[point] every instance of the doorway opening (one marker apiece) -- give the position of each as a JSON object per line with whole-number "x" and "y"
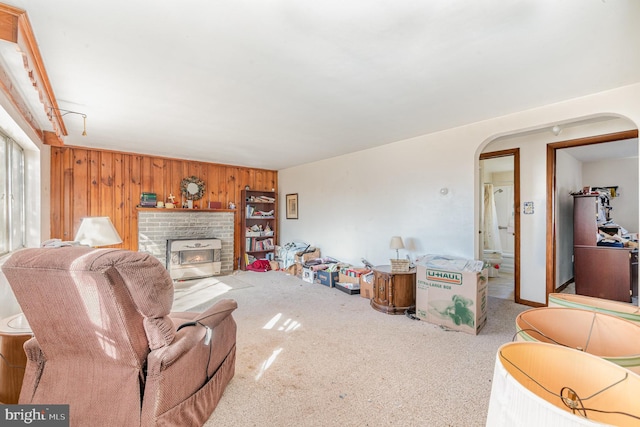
{"x": 554, "y": 238}
{"x": 500, "y": 221}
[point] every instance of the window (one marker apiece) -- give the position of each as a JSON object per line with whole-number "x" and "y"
{"x": 12, "y": 191}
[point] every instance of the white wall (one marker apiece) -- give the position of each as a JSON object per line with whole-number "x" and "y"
{"x": 568, "y": 180}
{"x": 351, "y": 205}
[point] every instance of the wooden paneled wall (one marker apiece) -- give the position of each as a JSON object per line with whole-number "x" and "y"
{"x": 87, "y": 182}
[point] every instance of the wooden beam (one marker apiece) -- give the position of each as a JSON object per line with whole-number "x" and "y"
{"x": 15, "y": 28}
{"x": 50, "y": 138}
{"x": 9, "y": 23}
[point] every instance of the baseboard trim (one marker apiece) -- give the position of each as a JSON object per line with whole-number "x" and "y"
{"x": 531, "y": 303}
{"x": 565, "y": 284}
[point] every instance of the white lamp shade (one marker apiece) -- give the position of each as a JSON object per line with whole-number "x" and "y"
{"x": 97, "y": 231}
{"x": 529, "y": 376}
{"x": 396, "y": 243}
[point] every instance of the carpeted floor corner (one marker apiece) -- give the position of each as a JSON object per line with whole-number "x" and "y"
{"x": 308, "y": 355}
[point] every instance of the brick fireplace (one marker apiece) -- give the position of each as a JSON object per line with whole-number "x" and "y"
{"x": 156, "y": 226}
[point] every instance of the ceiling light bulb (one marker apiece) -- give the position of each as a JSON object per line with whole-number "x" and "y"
{"x": 556, "y": 130}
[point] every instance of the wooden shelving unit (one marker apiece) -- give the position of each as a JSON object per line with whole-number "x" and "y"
{"x": 259, "y": 212}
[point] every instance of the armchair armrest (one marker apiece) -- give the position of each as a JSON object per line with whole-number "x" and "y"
{"x": 33, "y": 371}
{"x": 212, "y": 316}
{"x": 178, "y": 370}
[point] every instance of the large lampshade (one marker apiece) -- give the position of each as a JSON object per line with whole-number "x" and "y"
{"x": 538, "y": 384}
{"x": 624, "y": 310}
{"x": 97, "y": 231}
{"x": 610, "y": 337}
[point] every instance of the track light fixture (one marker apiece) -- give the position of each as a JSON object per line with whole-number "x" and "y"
{"x": 65, "y": 112}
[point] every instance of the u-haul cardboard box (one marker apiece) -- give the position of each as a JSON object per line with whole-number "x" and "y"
{"x": 456, "y": 300}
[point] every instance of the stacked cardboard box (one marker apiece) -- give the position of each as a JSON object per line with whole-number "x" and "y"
{"x": 296, "y": 268}
{"x": 349, "y": 279}
{"x": 302, "y": 257}
{"x": 351, "y": 275}
{"x": 308, "y": 275}
{"x": 366, "y": 285}
{"x": 327, "y": 278}
{"x": 454, "y": 299}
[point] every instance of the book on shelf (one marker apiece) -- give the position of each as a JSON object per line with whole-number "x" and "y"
{"x": 261, "y": 199}
{"x": 255, "y": 245}
{"x": 267, "y": 244}
{"x": 253, "y": 213}
{"x": 264, "y": 213}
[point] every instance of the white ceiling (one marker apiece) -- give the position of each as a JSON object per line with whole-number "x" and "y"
{"x": 273, "y": 84}
{"x": 627, "y": 148}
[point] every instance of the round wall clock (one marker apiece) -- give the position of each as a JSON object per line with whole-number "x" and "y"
{"x": 192, "y": 188}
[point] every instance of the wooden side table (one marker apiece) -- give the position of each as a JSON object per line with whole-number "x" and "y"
{"x": 14, "y": 332}
{"x": 393, "y": 292}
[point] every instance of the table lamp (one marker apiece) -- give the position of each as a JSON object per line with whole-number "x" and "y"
{"x": 97, "y": 231}
{"x": 396, "y": 243}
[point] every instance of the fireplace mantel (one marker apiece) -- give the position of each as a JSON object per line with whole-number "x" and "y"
{"x": 165, "y": 210}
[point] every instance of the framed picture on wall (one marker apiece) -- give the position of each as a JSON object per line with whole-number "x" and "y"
{"x": 292, "y": 206}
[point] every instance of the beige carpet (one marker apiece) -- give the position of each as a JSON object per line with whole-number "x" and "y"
{"x": 308, "y": 355}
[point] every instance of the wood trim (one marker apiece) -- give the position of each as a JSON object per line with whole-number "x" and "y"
{"x": 517, "y": 222}
{"x": 532, "y": 303}
{"x": 171, "y": 210}
{"x": 499, "y": 153}
{"x": 515, "y": 152}
{"x": 598, "y": 139}
{"x": 551, "y": 194}
{"x": 15, "y": 28}
{"x": 9, "y": 22}
{"x": 50, "y": 138}
{"x": 551, "y": 222}
{"x": 564, "y": 285}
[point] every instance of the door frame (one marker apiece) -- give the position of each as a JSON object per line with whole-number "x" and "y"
{"x": 515, "y": 152}
{"x": 551, "y": 194}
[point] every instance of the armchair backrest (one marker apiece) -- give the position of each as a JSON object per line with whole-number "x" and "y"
{"x": 104, "y": 305}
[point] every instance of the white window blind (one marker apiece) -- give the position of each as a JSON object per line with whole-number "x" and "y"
{"x": 12, "y": 187}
